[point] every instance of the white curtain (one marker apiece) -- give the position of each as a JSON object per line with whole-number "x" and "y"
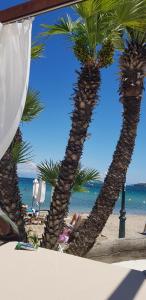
{"x": 15, "y": 55}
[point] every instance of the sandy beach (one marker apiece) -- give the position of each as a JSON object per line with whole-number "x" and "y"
{"x": 134, "y": 226}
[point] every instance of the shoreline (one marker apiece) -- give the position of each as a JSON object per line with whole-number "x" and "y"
{"x": 134, "y": 226}
{"x": 45, "y": 211}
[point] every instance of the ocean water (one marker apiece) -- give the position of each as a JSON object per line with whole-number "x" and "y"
{"x": 83, "y": 202}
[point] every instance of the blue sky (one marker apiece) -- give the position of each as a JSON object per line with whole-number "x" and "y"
{"x": 54, "y": 76}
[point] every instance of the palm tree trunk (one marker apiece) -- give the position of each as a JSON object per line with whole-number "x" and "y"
{"x": 85, "y": 99}
{"x": 132, "y": 78}
{"x": 10, "y": 198}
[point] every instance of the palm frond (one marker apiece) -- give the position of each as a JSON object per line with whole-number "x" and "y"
{"x": 49, "y": 171}
{"x": 88, "y": 8}
{"x": 86, "y": 31}
{"x": 107, "y": 5}
{"x": 64, "y": 26}
{"x": 98, "y": 21}
{"x": 131, "y": 13}
{"x": 83, "y": 176}
{"x": 37, "y": 50}
{"x": 117, "y": 40}
{"x": 22, "y": 152}
{"x": 79, "y": 189}
{"x": 137, "y": 35}
{"x": 33, "y": 106}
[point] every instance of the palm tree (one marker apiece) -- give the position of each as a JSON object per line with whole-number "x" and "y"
{"x": 132, "y": 70}
{"x": 91, "y": 29}
{"x": 49, "y": 171}
{"x": 18, "y": 152}
{"x": 98, "y": 24}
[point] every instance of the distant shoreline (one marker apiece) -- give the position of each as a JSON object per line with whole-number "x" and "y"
{"x": 141, "y": 184}
{"x": 83, "y": 202}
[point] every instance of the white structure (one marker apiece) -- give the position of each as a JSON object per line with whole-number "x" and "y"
{"x": 15, "y": 55}
{"x": 35, "y": 188}
{"x": 47, "y": 274}
{"x": 41, "y": 192}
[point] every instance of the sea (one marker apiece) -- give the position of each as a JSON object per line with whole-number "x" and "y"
{"x": 84, "y": 201}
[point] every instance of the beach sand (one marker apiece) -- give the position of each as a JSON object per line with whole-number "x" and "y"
{"x": 134, "y": 227}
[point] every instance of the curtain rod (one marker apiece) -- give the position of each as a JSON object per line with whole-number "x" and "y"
{"x": 32, "y": 8}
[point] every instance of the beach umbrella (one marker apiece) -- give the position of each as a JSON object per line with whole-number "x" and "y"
{"x": 41, "y": 193}
{"x": 35, "y": 190}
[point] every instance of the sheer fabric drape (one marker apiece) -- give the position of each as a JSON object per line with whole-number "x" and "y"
{"x": 15, "y": 55}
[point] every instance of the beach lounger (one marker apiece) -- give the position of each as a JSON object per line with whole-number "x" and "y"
{"x": 34, "y": 219}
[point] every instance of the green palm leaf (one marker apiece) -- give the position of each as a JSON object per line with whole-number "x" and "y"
{"x": 137, "y": 35}
{"x": 33, "y": 106}
{"x": 37, "y": 50}
{"x": 84, "y": 176}
{"x": 131, "y": 13}
{"x": 48, "y": 171}
{"x": 89, "y": 8}
{"x": 99, "y": 21}
{"x": 22, "y": 152}
{"x": 64, "y": 26}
